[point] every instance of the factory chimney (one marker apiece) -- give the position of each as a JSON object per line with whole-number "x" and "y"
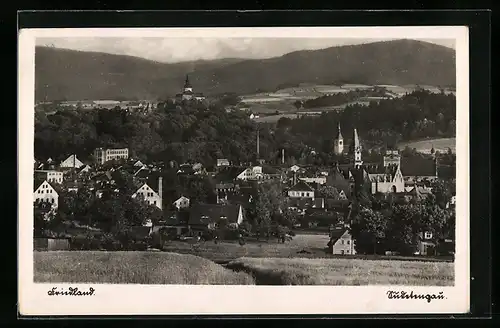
{"x": 160, "y": 191}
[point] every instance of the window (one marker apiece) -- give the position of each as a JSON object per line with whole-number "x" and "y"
{"x": 342, "y": 241}
{"x": 347, "y": 251}
{"x": 52, "y": 200}
{"x": 302, "y": 194}
{"x": 428, "y": 235}
{"x": 348, "y": 242}
{"x": 155, "y": 202}
{"x": 342, "y": 252}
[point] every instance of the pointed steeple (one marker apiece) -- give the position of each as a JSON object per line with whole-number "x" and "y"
{"x": 356, "y": 139}
{"x": 187, "y": 84}
{"x": 339, "y": 134}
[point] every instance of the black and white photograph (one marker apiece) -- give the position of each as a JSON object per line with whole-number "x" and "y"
{"x": 228, "y": 161}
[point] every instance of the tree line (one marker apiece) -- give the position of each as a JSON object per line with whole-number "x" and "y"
{"x": 204, "y": 131}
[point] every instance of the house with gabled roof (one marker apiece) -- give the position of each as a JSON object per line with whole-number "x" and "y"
{"x": 151, "y": 192}
{"x": 222, "y": 162}
{"x": 84, "y": 169}
{"x": 301, "y": 190}
{"x": 181, "y": 202}
{"x": 71, "y": 162}
{"x": 44, "y": 192}
{"x": 52, "y": 176}
{"x": 417, "y": 168}
{"x": 385, "y": 178}
{"x": 341, "y": 241}
{"x": 203, "y": 217}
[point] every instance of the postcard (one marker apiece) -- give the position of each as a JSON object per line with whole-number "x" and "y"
{"x": 196, "y": 171}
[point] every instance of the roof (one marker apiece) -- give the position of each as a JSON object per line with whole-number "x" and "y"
{"x": 301, "y": 203}
{"x": 418, "y": 166}
{"x": 270, "y": 170}
{"x": 175, "y": 218}
{"x": 339, "y": 134}
{"x": 228, "y": 174}
{"x": 301, "y": 186}
{"x": 187, "y": 84}
{"x": 227, "y": 185}
{"x": 207, "y": 213}
{"x": 337, "y": 232}
{"x": 38, "y": 182}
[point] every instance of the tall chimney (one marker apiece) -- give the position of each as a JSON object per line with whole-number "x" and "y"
{"x": 283, "y": 156}
{"x": 258, "y": 145}
{"x": 160, "y": 191}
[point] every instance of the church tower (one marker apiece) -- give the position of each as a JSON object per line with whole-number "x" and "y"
{"x": 338, "y": 146}
{"x": 187, "y": 85}
{"x": 357, "y": 150}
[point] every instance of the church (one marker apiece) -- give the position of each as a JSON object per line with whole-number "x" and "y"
{"x": 374, "y": 178}
{"x": 188, "y": 94}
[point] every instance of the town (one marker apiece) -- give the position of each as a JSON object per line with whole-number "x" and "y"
{"x": 380, "y": 200}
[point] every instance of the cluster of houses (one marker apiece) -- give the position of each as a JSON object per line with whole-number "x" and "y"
{"x": 235, "y": 188}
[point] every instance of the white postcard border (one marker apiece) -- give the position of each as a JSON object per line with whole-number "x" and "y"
{"x": 186, "y": 299}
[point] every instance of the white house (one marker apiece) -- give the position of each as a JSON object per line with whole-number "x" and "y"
{"x": 151, "y": 196}
{"x": 50, "y": 175}
{"x": 45, "y": 193}
{"x": 251, "y": 173}
{"x": 222, "y": 162}
{"x": 341, "y": 241}
{"x": 181, "y": 202}
{"x": 138, "y": 164}
{"x": 301, "y": 190}
{"x": 71, "y": 161}
{"x": 84, "y": 169}
{"x": 318, "y": 180}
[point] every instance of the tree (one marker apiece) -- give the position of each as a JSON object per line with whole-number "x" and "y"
{"x": 369, "y": 229}
{"x": 328, "y": 192}
{"x": 402, "y": 228}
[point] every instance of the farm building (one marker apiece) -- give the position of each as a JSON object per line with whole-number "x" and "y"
{"x": 51, "y": 244}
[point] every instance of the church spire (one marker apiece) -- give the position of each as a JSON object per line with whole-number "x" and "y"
{"x": 339, "y": 133}
{"x": 357, "y": 150}
{"x": 187, "y": 84}
{"x": 356, "y": 139}
{"x": 338, "y": 144}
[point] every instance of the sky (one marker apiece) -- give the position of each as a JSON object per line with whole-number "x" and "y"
{"x": 171, "y": 50}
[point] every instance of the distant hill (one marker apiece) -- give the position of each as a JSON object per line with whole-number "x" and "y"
{"x": 76, "y": 75}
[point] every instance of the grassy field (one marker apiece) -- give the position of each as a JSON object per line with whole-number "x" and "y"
{"x": 425, "y": 146}
{"x": 301, "y": 246}
{"x": 350, "y": 272}
{"x": 226, "y": 251}
{"x": 132, "y": 268}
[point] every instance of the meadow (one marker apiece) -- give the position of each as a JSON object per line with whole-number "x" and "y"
{"x": 301, "y": 261}
{"x": 132, "y": 268}
{"x": 425, "y": 146}
{"x": 346, "y": 272}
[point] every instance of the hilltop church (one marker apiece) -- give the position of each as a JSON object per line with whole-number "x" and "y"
{"x": 188, "y": 94}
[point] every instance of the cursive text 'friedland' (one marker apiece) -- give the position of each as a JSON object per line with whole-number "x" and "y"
{"x": 72, "y": 291}
{"x": 402, "y": 295}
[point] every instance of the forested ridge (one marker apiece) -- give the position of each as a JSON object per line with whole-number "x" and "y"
{"x": 77, "y": 75}
{"x": 201, "y": 132}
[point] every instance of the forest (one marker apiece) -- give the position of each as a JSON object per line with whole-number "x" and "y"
{"x": 203, "y": 132}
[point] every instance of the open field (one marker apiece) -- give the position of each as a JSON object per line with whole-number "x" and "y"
{"x": 132, "y": 268}
{"x": 307, "y": 245}
{"x": 425, "y": 146}
{"x": 281, "y": 271}
{"x": 225, "y": 251}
